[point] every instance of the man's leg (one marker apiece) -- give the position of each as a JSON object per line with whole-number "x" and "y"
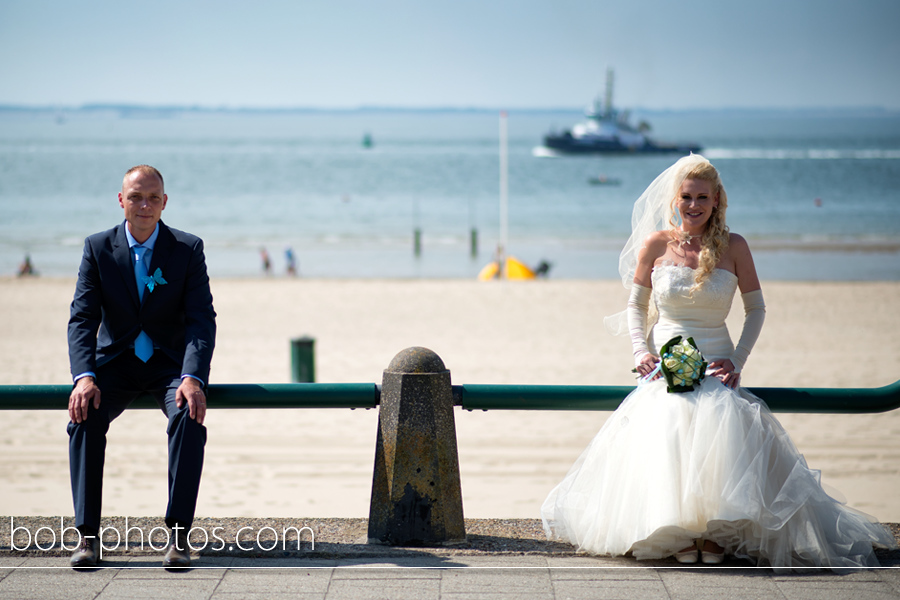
{"x": 87, "y": 454}
{"x": 187, "y": 440}
{"x": 87, "y": 447}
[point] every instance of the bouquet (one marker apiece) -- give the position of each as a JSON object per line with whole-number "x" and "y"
{"x": 682, "y": 364}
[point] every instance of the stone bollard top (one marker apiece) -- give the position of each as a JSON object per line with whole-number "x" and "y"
{"x": 417, "y": 361}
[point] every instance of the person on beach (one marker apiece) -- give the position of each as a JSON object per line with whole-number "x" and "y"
{"x": 26, "y": 269}
{"x": 266, "y": 261}
{"x": 692, "y": 465}
{"x": 142, "y": 322}
{"x": 291, "y": 261}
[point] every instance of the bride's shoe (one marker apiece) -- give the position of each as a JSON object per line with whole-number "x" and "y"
{"x": 713, "y": 556}
{"x": 688, "y": 556}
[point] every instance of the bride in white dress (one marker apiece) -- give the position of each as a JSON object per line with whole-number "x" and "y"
{"x": 708, "y": 472}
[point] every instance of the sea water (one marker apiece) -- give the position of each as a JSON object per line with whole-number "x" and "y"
{"x": 816, "y": 195}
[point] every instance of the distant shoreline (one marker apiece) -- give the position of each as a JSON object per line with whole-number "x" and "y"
{"x": 126, "y": 109}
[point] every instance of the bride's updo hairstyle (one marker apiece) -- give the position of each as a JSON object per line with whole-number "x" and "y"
{"x": 714, "y": 242}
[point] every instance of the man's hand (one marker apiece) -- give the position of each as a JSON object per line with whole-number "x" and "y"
{"x": 191, "y": 391}
{"x": 80, "y": 399}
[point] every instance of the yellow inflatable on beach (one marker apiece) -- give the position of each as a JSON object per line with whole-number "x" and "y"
{"x": 515, "y": 269}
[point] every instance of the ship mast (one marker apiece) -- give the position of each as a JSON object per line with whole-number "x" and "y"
{"x": 607, "y": 105}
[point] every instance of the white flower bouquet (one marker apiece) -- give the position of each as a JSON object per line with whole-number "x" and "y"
{"x": 682, "y": 364}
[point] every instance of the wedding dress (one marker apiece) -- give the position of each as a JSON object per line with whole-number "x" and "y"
{"x": 714, "y": 463}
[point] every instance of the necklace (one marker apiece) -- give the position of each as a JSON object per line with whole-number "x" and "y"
{"x": 683, "y": 237}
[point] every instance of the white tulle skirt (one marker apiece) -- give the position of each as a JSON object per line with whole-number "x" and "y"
{"x": 666, "y": 469}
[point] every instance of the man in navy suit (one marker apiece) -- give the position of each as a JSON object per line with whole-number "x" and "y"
{"x": 142, "y": 322}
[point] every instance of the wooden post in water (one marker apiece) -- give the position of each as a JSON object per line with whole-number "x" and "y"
{"x": 417, "y": 230}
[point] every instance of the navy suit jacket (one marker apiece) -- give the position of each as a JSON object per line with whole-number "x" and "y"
{"x": 106, "y": 314}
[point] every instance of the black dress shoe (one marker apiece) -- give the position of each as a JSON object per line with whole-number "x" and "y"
{"x": 87, "y": 554}
{"x": 178, "y": 555}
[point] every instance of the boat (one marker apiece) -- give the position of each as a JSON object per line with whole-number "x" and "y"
{"x": 604, "y": 180}
{"x": 607, "y": 131}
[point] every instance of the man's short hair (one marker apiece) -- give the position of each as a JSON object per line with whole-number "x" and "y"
{"x": 147, "y": 170}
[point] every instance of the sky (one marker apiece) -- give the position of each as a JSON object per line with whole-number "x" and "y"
{"x": 703, "y": 54}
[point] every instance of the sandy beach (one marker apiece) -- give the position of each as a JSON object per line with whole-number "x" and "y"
{"x": 318, "y": 463}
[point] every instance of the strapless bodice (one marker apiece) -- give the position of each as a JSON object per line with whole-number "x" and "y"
{"x": 700, "y": 315}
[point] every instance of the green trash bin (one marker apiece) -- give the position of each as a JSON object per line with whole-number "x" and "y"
{"x": 303, "y": 361}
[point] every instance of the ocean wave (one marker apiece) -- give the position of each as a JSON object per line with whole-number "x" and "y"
{"x": 801, "y": 154}
{"x": 826, "y": 244}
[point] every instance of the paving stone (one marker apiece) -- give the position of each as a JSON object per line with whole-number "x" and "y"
{"x": 282, "y": 563}
{"x": 495, "y": 595}
{"x": 891, "y": 577}
{"x": 303, "y": 581}
{"x": 610, "y": 590}
{"x": 376, "y": 589}
{"x": 563, "y": 573}
{"x": 267, "y": 595}
{"x": 51, "y": 582}
{"x": 731, "y": 578}
{"x": 496, "y": 581}
{"x": 154, "y": 589}
{"x": 835, "y": 590}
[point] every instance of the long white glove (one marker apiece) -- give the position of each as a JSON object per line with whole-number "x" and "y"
{"x": 754, "y": 315}
{"x": 638, "y": 304}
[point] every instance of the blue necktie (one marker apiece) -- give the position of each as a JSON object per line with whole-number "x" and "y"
{"x": 143, "y": 345}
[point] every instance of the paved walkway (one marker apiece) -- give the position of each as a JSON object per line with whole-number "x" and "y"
{"x": 426, "y": 577}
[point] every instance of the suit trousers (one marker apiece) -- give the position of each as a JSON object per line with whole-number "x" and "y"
{"x": 121, "y": 381}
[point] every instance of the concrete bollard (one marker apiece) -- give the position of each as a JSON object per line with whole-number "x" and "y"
{"x": 416, "y": 493}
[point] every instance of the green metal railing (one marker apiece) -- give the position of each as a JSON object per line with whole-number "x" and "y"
{"x": 224, "y": 395}
{"x": 597, "y": 397}
{"x": 469, "y": 397}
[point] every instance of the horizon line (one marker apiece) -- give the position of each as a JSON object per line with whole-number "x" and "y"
{"x": 135, "y": 107}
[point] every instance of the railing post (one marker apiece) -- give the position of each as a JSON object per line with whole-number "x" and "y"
{"x": 416, "y": 493}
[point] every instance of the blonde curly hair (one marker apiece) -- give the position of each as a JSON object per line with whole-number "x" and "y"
{"x": 714, "y": 242}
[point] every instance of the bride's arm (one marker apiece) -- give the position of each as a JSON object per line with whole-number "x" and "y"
{"x": 638, "y": 305}
{"x": 744, "y": 268}
{"x": 639, "y": 302}
{"x": 729, "y": 371}
{"x": 751, "y": 294}
{"x": 754, "y": 316}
